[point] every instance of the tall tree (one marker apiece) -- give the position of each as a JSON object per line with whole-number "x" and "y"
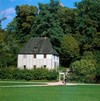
{"x": 22, "y": 23}
{"x": 46, "y": 24}
{"x": 8, "y": 49}
{"x": 87, "y": 22}
{"x": 69, "y": 49}
{"x": 90, "y": 9}
{"x": 66, "y": 18}
{"x": 1, "y": 19}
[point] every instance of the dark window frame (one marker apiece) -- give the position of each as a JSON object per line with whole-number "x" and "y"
{"x": 45, "y": 66}
{"x": 45, "y": 56}
{"x": 34, "y": 55}
{"x": 24, "y": 66}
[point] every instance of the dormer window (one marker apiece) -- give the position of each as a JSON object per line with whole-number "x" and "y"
{"x": 35, "y": 48}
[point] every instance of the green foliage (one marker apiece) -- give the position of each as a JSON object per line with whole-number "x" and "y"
{"x": 69, "y": 48}
{"x": 66, "y": 19}
{"x": 96, "y": 41}
{"x": 22, "y": 74}
{"x": 47, "y": 23}
{"x": 90, "y": 9}
{"x": 6, "y": 73}
{"x": 95, "y": 58}
{"x": 40, "y": 74}
{"x": 84, "y": 70}
{"x": 8, "y": 50}
{"x": 37, "y": 74}
{"x": 1, "y": 37}
{"x": 22, "y": 23}
{"x": 87, "y": 22}
{"x": 1, "y": 19}
{"x": 52, "y": 75}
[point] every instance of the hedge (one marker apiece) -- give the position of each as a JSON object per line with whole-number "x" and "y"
{"x": 19, "y": 74}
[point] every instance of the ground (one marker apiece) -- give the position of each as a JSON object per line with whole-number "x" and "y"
{"x": 48, "y": 91}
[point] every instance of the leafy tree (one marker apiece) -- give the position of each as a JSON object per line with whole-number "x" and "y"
{"x": 1, "y": 19}
{"x": 22, "y": 23}
{"x": 46, "y": 24}
{"x": 8, "y": 50}
{"x": 70, "y": 48}
{"x": 87, "y": 22}
{"x": 1, "y": 37}
{"x": 96, "y": 42}
{"x": 66, "y": 18}
{"x": 90, "y": 9}
{"x": 12, "y": 27}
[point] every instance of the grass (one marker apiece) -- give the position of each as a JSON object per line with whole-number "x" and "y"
{"x": 51, "y": 93}
{"x": 14, "y": 83}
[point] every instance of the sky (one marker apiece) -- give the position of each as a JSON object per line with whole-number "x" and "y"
{"x": 7, "y": 7}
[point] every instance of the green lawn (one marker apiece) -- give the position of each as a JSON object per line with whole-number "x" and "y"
{"x": 51, "y": 93}
{"x": 20, "y": 83}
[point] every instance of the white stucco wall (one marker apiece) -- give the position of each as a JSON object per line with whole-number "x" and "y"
{"x": 28, "y": 60}
{"x": 55, "y": 61}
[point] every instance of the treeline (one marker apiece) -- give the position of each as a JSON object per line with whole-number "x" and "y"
{"x": 73, "y": 32}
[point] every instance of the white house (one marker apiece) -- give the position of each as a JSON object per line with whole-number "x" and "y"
{"x": 37, "y": 53}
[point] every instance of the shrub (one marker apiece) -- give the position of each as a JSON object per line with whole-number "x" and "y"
{"x": 37, "y": 74}
{"x": 40, "y": 74}
{"x": 52, "y": 75}
{"x": 83, "y": 70}
{"x": 6, "y": 73}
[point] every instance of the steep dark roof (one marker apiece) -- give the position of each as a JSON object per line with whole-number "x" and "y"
{"x": 39, "y": 45}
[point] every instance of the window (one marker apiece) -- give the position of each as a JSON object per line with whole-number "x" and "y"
{"x": 34, "y": 56}
{"x": 44, "y": 55}
{"x": 24, "y": 56}
{"x": 24, "y": 66}
{"x": 44, "y": 66}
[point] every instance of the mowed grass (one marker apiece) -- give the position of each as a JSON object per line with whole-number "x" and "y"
{"x": 20, "y": 83}
{"x": 51, "y": 93}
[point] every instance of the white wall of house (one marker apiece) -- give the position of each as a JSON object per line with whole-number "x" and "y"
{"x": 30, "y": 61}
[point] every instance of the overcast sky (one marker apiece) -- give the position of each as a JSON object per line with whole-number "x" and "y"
{"x": 7, "y": 7}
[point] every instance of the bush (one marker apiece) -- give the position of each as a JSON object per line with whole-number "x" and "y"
{"x": 40, "y": 74}
{"x": 83, "y": 70}
{"x": 37, "y": 74}
{"x": 52, "y": 75}
{"x": 6, "y": 73}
